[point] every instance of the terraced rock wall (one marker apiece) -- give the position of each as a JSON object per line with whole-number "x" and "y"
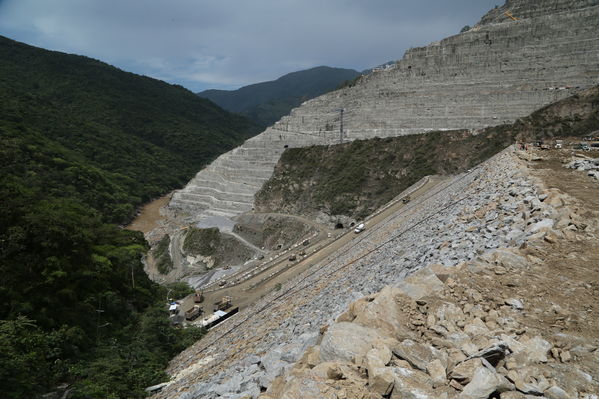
{"x": 497, "y": 72}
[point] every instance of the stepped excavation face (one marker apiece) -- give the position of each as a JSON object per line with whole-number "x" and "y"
{"x": 495, "y": 73}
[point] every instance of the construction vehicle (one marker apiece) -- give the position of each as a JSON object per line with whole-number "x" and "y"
{"x": 509, "y": 15}
{"x": 193, "y": 313}
{"x": 361, "y": 227}
{"x": 198, "y": 297}
{"x": 223, "y": 304}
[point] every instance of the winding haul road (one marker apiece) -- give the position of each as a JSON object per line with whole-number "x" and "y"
{"x": 244, "y": 293}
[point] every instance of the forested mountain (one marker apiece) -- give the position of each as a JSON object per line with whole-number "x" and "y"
{"x": 81, "y": 145}
{"x": 77, "y": 117}
{"x": 266, "y": 102}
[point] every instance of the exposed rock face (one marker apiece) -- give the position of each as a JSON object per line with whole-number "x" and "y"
{"x": 498, "y": 71}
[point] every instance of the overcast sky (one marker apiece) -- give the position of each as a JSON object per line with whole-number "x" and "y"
{"x": 226, "y": 44}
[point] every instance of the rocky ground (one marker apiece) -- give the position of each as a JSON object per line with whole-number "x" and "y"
{"x": 585, "y": 164}
{"x": 504, "y": 303}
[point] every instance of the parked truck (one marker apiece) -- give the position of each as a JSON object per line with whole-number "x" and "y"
{"x": 223, "y": 304}
{"x": 193, "y": 313}
{"x": 218, "y": 317}
{"x": 198, "y": 297}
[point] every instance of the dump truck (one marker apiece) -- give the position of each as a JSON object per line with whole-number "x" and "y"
{"x": 223, "y": 304}
{"x": 193, "y": 313}
{"x": 198, "y": 297}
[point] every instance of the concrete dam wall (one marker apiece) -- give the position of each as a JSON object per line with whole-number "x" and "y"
{"x": 496, "y": 72}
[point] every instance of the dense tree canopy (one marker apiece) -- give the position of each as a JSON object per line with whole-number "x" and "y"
{"x": 82, "y": 144}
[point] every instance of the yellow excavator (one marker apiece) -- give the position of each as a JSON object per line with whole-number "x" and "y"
{"x": 509, "y": 15}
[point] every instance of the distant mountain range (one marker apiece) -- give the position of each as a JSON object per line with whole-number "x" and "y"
{"x": 266, "y": 102}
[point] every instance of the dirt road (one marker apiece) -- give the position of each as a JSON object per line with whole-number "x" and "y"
{"x": 249, "y": 291}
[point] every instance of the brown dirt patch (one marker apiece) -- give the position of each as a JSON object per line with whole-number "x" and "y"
{"x": 148, "y": 218}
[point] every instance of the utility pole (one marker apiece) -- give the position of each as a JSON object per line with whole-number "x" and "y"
{"x": 341, "y": 126}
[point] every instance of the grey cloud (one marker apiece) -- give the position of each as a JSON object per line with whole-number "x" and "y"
{"x": 227, "y": 43}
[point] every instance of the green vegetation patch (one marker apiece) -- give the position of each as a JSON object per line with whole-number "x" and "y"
{"x": 266, "y": 102}
{"x": 162, "y": 255}
{"x": 205, "y": 242}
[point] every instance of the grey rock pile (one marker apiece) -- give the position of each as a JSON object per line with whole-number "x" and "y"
{"x": 588, "y": 165}
{"x": 444, "y": 340}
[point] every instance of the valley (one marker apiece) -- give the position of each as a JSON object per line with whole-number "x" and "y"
{"x": 488, "y": 210}
{"x": 424, "y": 229}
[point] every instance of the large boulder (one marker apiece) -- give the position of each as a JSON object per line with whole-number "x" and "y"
{"x": 412, "y": 384}
{"x": 419, "y": 355}
{"x": 484, "y": 383}
{"x": 464, "y": 371}
{"x": 306, "y": 388}
{"x": 382, "y": 313}
{"x": 420, "y": 284}
{"x": 347, "y": 342}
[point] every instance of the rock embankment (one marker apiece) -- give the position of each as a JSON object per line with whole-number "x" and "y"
{"x": 471, "y": 224}
{"x": 438, "y": 335}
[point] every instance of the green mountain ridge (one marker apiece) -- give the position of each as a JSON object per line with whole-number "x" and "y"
{"x": 82, "y": 144}
{"x": 266, "y": 102}
{"x": 121, "y": 123}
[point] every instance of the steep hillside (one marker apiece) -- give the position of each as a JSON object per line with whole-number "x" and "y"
{"x": 126, "y": 138}
{"x": 81, "y": 145}
{"x": 354, "y": 179}
{"x": 266, "y": 102}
